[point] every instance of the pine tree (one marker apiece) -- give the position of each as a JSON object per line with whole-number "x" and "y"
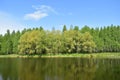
{"x": 64, "y": 28}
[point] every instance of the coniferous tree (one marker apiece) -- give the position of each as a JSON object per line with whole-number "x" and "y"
{"x": 64, "y": 28}
{"x": 39, "y": 41}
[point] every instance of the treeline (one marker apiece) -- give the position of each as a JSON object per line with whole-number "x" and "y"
{"x": 73, "y": 40}
{"x": 107, "y": 39}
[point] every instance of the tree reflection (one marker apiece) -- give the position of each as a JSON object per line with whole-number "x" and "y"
{"x": 59, "y": 69}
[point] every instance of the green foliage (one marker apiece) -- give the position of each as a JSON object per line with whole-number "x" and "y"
{"x": 88, "y": 44}
{"x": 70, "y": 41}
{"x": 76, "y": 28}
{"x": 77, "y": 42}
{"x": 64, "y": 28}
{"x": 39, "y": 41}
{"x": 29, "y": 42}
{"x": 53, "y": 41}
{"x": 85, "y": 29}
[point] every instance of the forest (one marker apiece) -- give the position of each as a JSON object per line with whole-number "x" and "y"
{"x": 72, "y": 40}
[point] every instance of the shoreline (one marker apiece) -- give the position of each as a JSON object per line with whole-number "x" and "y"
{"x": 74, "y": 55}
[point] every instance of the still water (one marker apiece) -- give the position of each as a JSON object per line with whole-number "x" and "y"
{"x": 59, "y": 69}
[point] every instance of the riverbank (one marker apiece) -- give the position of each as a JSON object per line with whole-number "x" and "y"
{"x": 92, "y": 55}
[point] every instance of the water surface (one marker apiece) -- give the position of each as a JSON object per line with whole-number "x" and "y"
{"x": 59, "y": 69}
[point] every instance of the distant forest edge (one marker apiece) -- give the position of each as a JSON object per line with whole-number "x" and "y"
{"x": 73, "y": 40}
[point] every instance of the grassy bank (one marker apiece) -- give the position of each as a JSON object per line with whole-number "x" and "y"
{"x": 92, "y": 55}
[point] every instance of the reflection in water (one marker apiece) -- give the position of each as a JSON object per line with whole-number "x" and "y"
{"x": 59, "y": 69}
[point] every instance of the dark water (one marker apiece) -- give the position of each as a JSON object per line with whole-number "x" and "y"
{"x": 59, "y": 69}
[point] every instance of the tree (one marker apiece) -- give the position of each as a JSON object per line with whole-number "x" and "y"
{"x": 68, "y": 42}
{"x": 76, "y": 28}
{"x": 53, "y": 41}
{"x": 9, "y": 47}
{"x": 39, "y": 41}
{"x": 88, "y": 44}
{"x": 85, "y": 29}
{"x": 15, "y": 36}
{"x": 29, "y": 42}
{"x": 7, "y": 44}
{"x": 0, "y": 43}
{"x": 64, "y": 28}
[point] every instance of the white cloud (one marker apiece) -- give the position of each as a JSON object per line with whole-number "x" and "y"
{"x": 35, "y": 16}
{"x": 45, "y": 8}
{"x": 40, "y": 12}
{"x": 9, "y": 22}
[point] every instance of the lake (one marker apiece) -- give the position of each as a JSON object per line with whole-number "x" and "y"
{"x": 59, "y": 69}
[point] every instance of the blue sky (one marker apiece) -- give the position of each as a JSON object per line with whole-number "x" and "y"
{"x": 20, "y": 14}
